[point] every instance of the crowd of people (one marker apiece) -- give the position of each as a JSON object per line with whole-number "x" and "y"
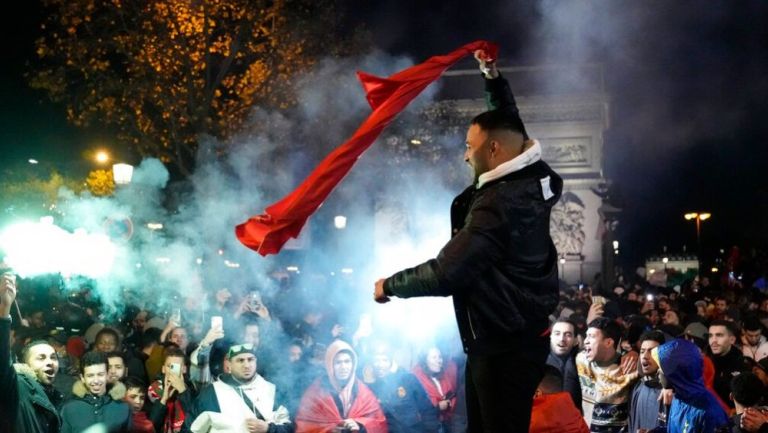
{"x": 642, "y": 358}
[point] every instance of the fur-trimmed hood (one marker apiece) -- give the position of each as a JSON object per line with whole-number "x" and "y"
{"x": 25, "y": 370}
{"x": 117, "y": 391}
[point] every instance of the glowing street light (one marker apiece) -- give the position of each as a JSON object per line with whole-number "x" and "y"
{"x": 101, "y": 156}
{"x": 122, "y": 173}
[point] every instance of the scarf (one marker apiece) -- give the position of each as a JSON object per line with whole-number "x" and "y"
{"x": 283, "y": 220}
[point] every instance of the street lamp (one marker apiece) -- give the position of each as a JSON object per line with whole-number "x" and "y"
{"x": 122, "y": 173}
{"x": 699, "y": 217}
{"x": 102, "y": 157}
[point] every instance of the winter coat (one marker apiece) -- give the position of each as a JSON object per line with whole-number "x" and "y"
{"x": 85, "y": 410}
{"x": 25, "y": 405}
{"x": 501, "y": 265}
{"x": 567, "y": 367}
{"x": 694, "y": 408}
{"x": 405, "y": 403}
{"x": 726, "y": 367}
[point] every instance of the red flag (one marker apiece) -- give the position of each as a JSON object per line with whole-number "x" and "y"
{"x": 267, "y": 233}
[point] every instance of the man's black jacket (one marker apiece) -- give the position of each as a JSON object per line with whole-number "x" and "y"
{"x": 500, "y": 265}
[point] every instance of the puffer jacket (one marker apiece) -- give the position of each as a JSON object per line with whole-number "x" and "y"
{"x": 694, "y": 408}
{"x": 25, "y": 406}
{"x": 85, "y": 410}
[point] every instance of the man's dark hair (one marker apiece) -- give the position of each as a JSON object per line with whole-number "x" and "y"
{"x": 609, "y": 328}
{"x": 501, "y": 119}
{"x": 656, "y": 336}
{"x": 747, "y": 389}
{"x": 135, "y": 382}
{"x": 569, "y": 322}
{"x": 752, "y": 323}
{"x": 172, "y": 351}
{"x": 92, "y": 358}
{"x": 729, "y": 326}
{"x": 107, "y": 331}
{"x": 26, "y": 349}
{"x": 149, "y": 337}
{"x": 115, "y": 355}
{"x": 552, "y": 381}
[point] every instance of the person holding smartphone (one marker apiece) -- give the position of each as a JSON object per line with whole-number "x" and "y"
{"x": 171, "y": 395}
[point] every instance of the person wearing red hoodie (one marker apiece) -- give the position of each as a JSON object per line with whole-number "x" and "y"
{"x": 553, "y": 409}
{"x": 340, "y": 402}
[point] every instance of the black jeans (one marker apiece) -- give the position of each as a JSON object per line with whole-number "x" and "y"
{"x": 500, "y": 387}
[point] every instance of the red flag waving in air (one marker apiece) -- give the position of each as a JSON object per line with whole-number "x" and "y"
{"x": 267, "y": 233}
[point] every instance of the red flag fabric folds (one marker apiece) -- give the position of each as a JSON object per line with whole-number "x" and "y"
{"x": 283, "y": 220}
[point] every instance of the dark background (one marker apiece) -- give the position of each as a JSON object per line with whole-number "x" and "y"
{"x": 687, "y": 82}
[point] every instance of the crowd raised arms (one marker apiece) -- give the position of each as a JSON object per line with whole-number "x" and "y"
{"x": 625, "y": 355}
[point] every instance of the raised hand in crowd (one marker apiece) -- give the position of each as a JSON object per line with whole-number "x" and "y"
{"x": 595, "y": 310}
{"x": 172, "y": 384}
{"x": 213, "y": 334}
{"x": 247, "y": 305}
{"x": 753, "y": 420}
{"x": 7, "y": 293}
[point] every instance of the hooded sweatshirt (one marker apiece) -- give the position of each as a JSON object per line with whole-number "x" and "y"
{"x": 694, "y": 408}
{"x": 327, "y": 403}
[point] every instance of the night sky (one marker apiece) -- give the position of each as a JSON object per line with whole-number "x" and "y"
{"x": 687, "y": 80}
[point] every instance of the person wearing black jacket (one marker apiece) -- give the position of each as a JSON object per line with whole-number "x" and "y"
{"x": 95, "y": 405}
{"x": 726, "y": 357}
{"x": 28, "y": 400}
{"x": 562, "y": 356}
{"x": 500, "y": 266}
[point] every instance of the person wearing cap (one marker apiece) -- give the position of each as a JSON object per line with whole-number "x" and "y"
{"x": 500, "y": 265}
{"x": 28, "y": 400}
{"x": 240, "y": 401}
{"x": 339, "y": 401}
{"x": 694, "y": 408}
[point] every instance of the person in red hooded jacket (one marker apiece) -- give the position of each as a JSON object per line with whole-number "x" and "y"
{"x": 553, "y": 409}
{"x": 340, "y": 402}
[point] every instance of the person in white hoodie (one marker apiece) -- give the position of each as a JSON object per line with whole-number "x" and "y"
{"x": 753, "y": 342}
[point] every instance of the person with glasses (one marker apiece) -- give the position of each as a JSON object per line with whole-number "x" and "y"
{"x": 240, "y": 400}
